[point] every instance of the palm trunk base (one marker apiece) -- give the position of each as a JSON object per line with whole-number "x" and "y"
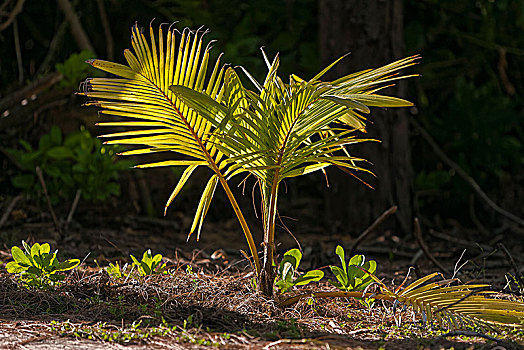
{"x": 266, "y": 280}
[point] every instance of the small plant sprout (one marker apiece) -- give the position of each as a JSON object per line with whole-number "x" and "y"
{"x": 353, "y": 277}
{"x": 116, "y": 272}
{"x": 150, "y": 264}
{"x": 286, "y": 272}
{"x": 37, "y": 267}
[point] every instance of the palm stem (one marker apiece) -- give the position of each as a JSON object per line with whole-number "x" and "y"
{"x": 230, "y": 196}
{"x": 267, "y": 278}
{"x": 242, "y": 220}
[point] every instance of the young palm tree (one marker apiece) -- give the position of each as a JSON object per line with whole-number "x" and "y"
{"x": 282, "y": 130}
{"x": 290, "y": 129}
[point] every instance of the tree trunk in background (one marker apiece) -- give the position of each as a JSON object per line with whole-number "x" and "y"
{"x": 372, "y": 30}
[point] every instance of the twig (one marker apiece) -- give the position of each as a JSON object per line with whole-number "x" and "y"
{"x": 107, "y": 29}
{"x": 371, "y": 228}
{"x": 458, "y": 241}
{"x": 53, "y": 46}
{"x": 9, "y": 210}
{"x": 18, "y": 53}
{"x": 16, "y": 10}
{"x": 470, "y": 334}
{"x": 474, "y": 218}
{"x": 418, "y": 235}
{"x": 29, "y": 90}
{"x": 77, "y": 30}
{"x": 44, "y": 187}
{"x": 438, "y": 151}
{"x": 73, "y": 208}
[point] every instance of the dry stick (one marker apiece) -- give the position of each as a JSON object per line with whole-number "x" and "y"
{"x": 371, "y": 228}
{"x": 44, "y": 187}
{"x": 418, "y": 235}
{"x": 76, "y": 27}
{"x": 438, "y": 151}
{"x": 29, "y": 90}
{"x": 16, "y": 10}
{"x": 9, "y": 210}
{"x": 73, "y": 208}
{"x": 53, "y": 47}
{"x": 18, "y": 52}
{"x": 474, "y": 217}
{"x": 107, "y": 29}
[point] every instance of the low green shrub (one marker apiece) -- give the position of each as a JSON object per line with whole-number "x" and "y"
{"x": 78, "y": 161}
{"x": 37, "y": 267}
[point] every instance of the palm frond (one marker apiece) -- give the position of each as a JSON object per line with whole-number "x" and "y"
{"x": 140, "y": 98}
{"x": 461, "y": 306}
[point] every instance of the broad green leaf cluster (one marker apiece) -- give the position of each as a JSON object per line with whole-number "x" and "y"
{"x": 149, "y": 265}
{"x": 355, "y": 275}
{"x": 288, "y": 267}
{"x": 117, "y": 272}
{"x": 37, "y": 267}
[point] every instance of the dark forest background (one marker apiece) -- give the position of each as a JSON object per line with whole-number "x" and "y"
{"x": 469, "y": 105}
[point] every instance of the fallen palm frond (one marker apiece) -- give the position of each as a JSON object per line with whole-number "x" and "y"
{"x": 460, "y": 306}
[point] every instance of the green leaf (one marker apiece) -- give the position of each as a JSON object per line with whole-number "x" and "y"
{"x": 146, "y": 257}
{"x": 157, "y": 258}
{"x": 283, "y": 285}
{"x": 60, "y": 152}
{"x": 55, "y": 135}
{"x": 340, "y": 252}
{"x": 378, "y": 100}
{"x": 341, "y": 276}
{"x": 14, "y": 267}
{"x": 19, "y": 256}
{"x": 135, "y": 261}
{"x": 145, "y": 268}
{"x": 68, "y": 265}
{"x": 24, "y": 181}
{"x": 308, "y": 277}
{"x": 35, "y": 271}
{"x": 183, "y": 179}
{"x": 348, "y": 102}
{"x": 201, "y": 103}
{"x": 45, "y": 248}
{"x": 289, "y": 264}
{"x": 35, "y": 253}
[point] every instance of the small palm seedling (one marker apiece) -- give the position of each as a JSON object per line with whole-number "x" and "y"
{"x": 37, "y": 267}
{"x": 116, "y": 272}
{"x": 356, "y": 275}
{"x": 288, "y": 267}
{"x": 149, "y": 265}
{"x": 280, "y": 131}
{"x": 284, "y": 130}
